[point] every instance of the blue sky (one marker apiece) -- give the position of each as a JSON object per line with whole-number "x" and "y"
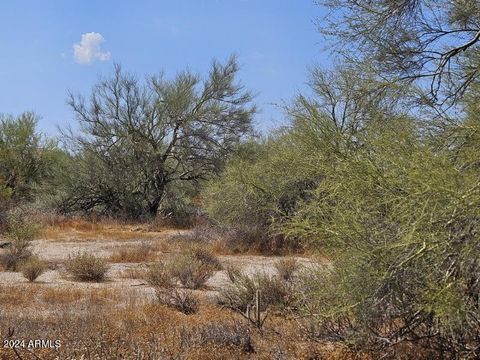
{"x": 275, "y": 40}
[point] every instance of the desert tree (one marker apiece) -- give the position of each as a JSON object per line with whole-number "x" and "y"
{"x": 140, "y": 137}
{"x": 432, "y": 43}
{"x": 26, "y": 156}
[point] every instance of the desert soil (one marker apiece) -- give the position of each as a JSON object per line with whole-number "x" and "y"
{"x": 57, "y": 250}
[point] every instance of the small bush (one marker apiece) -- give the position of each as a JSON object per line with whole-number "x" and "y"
{"x": 233, "y": 273}
{"x": 140, "y": 253}
{"x": 241, "y": 293}
{"x": 20, "y": 233}
{"x": 206, "y": 257}
{"x": 255, "y": 239}
{"x": 159, "y": 275}
{"x": 191, "y": 273}
{"x": 32, "y": 268}
{"x": 287, "y": 268}
{"x": 86, "y": 267}
{"x": 182, "y": 300}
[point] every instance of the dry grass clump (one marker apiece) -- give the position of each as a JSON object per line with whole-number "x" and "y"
{"x": 287, "y": 268}
{"x": 189, "y": 271}
{"x": 17, "y": 296}
{"x": 162, "y": 277}
{"x": 57, "y": 296}
{"x": 32, "y": 268}
{"x": 186, "y": 269}
{"x": 226, "y": 336}
{"x": 159, "y": 275}
{"x": 206, "y": 257}
{"x": 86, "y": 267}
{"x": 182, "y": 300}
{"x": 154, "y": 331}
{"x": 275, "y": 292}
{"x": 57, "y": 227}
{"x": 143, "y": 252}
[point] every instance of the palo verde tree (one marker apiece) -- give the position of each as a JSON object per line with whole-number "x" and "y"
{"x": 26, "y": 157}
{"x": 432, "y": 43}
{"x": 139, "y": 138}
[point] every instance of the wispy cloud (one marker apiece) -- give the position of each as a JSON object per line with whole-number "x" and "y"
{"x": 90, "y": 48}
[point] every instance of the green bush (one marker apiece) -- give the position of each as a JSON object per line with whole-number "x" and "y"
{"x": 399, "y": 219}
{"x": 20, "y": 232}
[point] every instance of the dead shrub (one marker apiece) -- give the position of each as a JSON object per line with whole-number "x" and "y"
{"x": 32, "y": 268}
{"x": 287, "y": 268}
{"x": 182, "y": 300}
{"x": 191, "y": 273}
{"x": 86, "y": 267}
{"x": 160, "y": 276}
{"x": 143, "y": 252}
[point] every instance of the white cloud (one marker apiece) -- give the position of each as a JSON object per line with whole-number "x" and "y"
{"x": 89, "y": 49}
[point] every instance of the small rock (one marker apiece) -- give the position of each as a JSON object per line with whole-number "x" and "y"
{"x": 4, "y": 244}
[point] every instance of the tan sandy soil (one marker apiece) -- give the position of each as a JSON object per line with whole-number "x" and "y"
{"x": 55, "y": 251}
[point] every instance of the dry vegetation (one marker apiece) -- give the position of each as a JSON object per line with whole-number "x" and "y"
{"x": 160, "y": 300}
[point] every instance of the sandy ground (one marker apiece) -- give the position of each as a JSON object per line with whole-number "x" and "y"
{"x": 55, "y": 251}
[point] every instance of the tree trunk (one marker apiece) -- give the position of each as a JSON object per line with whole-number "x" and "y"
{"x": 154, "y": 205}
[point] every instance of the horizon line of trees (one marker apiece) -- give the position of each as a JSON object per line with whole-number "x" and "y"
{"x": 378, "y": 170}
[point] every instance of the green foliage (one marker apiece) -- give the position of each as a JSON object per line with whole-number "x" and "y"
{"x": 27, "y": 159}
{"x": 20, "y": 232}
{"x": 141, "y": 139}
{"x": 399, "y": 218}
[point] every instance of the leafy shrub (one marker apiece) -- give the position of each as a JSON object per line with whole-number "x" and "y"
{"x": 86, "y": 267}
{"x": 399, "y": 219}
{"x": 191, "y": 273}
{"x": 20, "y": 233}
{"x": 32, "y": 268}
